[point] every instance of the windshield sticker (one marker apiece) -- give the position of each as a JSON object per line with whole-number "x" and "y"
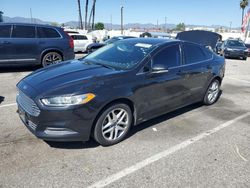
{"x": 143, "y": 45}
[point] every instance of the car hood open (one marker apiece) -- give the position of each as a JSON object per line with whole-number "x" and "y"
{"x": 204, "y": 38}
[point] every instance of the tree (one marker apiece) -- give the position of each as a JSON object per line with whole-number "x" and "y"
{"x": 99, "y": 26}
{"x": 1, "y": 16}
{"x": 86, "y": 14}
{"x": 243, "y": 5}
{"x": 180, "y": 27}
{"x": 55, "y": 24}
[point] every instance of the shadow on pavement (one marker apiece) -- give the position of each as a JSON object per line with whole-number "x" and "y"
{"x": 10, "y": 69}
{"x": 134, "y": 130}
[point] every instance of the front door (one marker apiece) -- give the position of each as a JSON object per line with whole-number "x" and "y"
{"x": 162, "y": 91}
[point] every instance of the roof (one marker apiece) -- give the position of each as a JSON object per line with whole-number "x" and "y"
{"x": 27, "y": 24}
{"x": 152, "y": 41}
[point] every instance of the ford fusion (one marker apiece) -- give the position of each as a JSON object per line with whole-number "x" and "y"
{"x": 117, "y": 87}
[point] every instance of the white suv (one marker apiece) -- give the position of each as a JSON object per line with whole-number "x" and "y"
{"x": 80, "y": 42}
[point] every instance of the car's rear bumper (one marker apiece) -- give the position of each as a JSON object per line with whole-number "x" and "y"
{"x": 69, "y": 55}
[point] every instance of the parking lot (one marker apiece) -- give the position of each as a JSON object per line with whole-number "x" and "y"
{"x": 196, "y": 146}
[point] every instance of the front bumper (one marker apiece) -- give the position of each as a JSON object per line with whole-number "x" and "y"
{"x": 59, "y": 125}
{"x": 236, "y": 54}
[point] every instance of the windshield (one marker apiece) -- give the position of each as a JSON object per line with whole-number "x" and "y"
{"x": 236, "y": 43}
{"x": 120, "y": 55}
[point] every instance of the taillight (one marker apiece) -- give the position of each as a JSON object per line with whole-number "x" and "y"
{"x": 71, "y": 41}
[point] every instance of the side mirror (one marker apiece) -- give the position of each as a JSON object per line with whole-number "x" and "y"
{"x": 159, "y": 68}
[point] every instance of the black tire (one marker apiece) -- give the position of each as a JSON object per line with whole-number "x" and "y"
{"x": 207, "y": 100}
{"x": 51, "y": 58}
{"x": 99, "y": 131}
{"x": 244, "y": 58}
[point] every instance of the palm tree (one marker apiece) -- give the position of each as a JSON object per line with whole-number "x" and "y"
{"x": 86, "y": 14}
{"x": 92, "y": 16}
{"x": 80, "y": 14}
{"x": 243, "y": 5}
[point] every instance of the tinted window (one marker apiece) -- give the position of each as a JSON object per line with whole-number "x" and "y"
{"x": 170, "y": 56}
{"x": 82, "y": 37}
{"x": 23, "y": 31}
{"x": 43, "y": 32}
{"x": 121, "y": 55}
{"x": 194, "y": 53}
{"x": 235, "y": 43}
{"x": 5, "y": 31}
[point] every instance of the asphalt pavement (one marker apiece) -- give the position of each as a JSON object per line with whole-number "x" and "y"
{"x": 196, "y": 146}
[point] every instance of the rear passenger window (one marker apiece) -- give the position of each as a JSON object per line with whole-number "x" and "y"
{"x": 23, "y": 32}
{"x": 194, "y": 53}
{"x": 43, "y": 32}
{"x": 5, "y": 31}
{"x": 169, "y": 56}
{"x": 82, "y": 37}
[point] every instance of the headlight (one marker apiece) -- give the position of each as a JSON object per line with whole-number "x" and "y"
{"x": 68, "y": 100}
{"x": 229, "y": 49}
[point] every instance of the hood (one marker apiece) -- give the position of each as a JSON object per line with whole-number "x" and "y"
{"x": 204, "y": 38}
{"x": 72, "y": 73}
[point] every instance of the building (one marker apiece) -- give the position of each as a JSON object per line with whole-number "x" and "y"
{"x": 1, "y": 16}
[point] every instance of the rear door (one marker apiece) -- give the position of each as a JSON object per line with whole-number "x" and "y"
{"x": 24, "y": 45}
{"x": 196, "y": 70}
{"x": 5, "y": 47}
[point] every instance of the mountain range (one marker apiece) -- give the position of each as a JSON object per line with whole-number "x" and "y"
{"x": 75, "y": 24}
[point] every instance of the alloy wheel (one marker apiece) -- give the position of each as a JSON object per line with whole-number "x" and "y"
{"x": 115, "y": 124}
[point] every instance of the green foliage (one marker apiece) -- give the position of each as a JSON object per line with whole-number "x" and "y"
{"x": 55, "y": 24}
{"x": 243, "y": 4}
{"x": 99, "y": 26}
{"x": 180, "y": 27}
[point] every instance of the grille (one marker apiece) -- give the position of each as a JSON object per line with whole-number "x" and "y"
{"x": 32, "y": 125}
{"x": 28, "y": 105}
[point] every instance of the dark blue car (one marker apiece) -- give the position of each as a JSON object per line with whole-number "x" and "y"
{"x": 33, "y": 44}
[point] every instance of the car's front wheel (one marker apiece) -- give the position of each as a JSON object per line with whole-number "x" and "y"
{"x": 113, "y": 124}
{"x": 212, "y": 93}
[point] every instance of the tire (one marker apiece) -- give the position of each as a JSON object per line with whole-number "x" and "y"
{"x": 212, "y": 93}
{"x": 51, "y": 58}
{"x": 244, "y": 58}
{"x": 108, "y": 131}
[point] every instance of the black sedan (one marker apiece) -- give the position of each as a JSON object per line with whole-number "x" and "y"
{"x": 234, "y": 48}
{"x": 117, "y": 87}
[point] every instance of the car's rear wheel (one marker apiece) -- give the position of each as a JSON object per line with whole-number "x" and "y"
{"x": 212, "y": 93}
{"x": 51, "y": 58}
{"x": 113, "y": 124}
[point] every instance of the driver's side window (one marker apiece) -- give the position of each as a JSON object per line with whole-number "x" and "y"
{"x": 169, "y": 56}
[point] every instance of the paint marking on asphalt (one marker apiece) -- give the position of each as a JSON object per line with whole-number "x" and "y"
{"x": 8, "y": 105}
{"x": 240, "y": 80}
{"x": 112, "y": 178}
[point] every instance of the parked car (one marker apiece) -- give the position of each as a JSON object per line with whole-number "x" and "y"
{"x": 218, "y": 47}
{"x": 80, "y": 42}
{"x": 234, "y": 48}
{"x": 94, "y": 46}
{"x": 33, "y": 44}
{"x": 248, "y": 48}
{"x": 117, "y": 87}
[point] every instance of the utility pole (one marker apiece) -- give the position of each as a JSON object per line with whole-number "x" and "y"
{"x": 230, "y": 26}
{"x": 111, "y": 22}
{"x": 165, "y": 29}
{"x": 80, "y": 14}
{"x": 31, "y": 18}
{"x": 157, "y": 23}
{"x": 122, "y": 20}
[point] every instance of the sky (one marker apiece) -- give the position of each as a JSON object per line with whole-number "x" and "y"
{"x": 192, "y": 12}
